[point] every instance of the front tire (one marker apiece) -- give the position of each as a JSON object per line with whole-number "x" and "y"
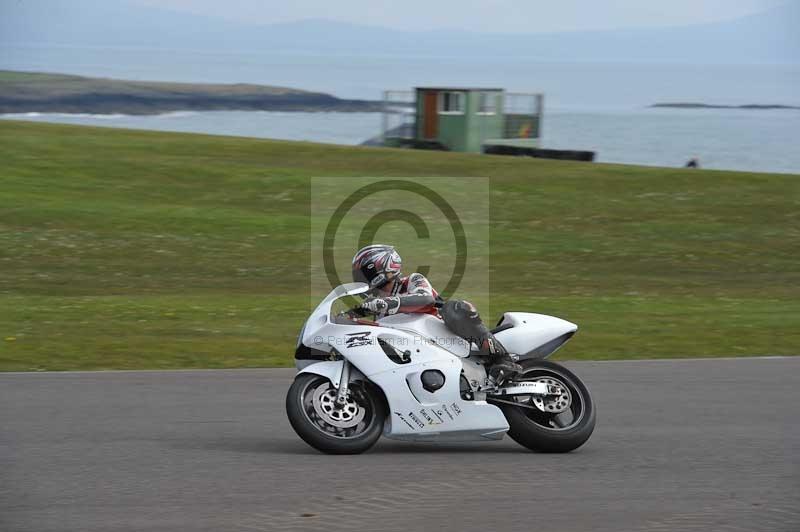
{"x": 568, "y": 420}
{"x": 351, "y": 429}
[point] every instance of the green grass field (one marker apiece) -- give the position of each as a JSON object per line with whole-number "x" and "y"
{"x": 129, "y": 249}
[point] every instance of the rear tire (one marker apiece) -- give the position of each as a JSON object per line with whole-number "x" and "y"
{"x": 308, "y": 409}
{"x": 539, "y": 431}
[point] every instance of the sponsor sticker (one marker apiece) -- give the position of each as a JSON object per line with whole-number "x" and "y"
{"x": 446, "y": 411}
{"x": 416, "y": 420}
{"x": 404, "y": 420}
{"x": 429, "y": 418}
{"x": 438, "y": 414}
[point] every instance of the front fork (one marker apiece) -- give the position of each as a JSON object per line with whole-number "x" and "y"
{"x": 344, "y": 381}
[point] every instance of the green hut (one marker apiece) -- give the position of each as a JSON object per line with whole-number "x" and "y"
{"x": 463, "y": 119}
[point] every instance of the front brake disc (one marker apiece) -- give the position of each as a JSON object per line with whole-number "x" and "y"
{"x": 343, "y": 416}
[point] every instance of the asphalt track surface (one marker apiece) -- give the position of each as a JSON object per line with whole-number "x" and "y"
{"x": 696, "y": 445}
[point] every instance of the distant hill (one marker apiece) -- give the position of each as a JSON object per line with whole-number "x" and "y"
{"x": 22, "y": 92}
{"x": 767, "y": 37}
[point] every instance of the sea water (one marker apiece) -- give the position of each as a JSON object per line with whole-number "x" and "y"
{"x": 600, "y": 107}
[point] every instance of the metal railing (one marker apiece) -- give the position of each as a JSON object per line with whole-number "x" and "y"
{"x": 398, "y": 119}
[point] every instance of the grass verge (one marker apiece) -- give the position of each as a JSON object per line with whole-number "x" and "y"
{"x": 130, "y": 249}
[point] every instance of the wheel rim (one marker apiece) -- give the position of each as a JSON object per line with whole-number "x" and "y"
{"x": 563, "y": 411}
{"x": 351, "y": 420}
{"x": 345, "y": 416}
{"x": 553, "y": 404}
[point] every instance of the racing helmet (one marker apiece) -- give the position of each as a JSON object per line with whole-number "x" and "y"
{"x": 376, "y": 265}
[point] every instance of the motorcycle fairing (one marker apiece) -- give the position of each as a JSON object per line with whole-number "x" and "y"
{"x": 534, "y": 335}
{"x": 428, "y": 329}
{"x": 415, "y": 414}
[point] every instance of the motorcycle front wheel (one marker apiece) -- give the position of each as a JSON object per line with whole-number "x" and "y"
{"x": 315, "y": 416}
{"x": 556, "y": 423}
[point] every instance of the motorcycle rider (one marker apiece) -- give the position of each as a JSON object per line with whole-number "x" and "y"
{"x": 379, "y": 266}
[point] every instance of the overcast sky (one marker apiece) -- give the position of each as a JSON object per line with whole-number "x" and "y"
{"x": 517, "y": 16}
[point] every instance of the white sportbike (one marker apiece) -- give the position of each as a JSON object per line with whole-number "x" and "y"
{"x": 408, "y": 377}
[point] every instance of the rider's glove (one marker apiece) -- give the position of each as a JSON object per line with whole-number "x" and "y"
{"x": 381, "y": 306}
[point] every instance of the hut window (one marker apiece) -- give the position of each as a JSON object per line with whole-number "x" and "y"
{"x": 487, "y": 103}
{"x": 451, "y": 102}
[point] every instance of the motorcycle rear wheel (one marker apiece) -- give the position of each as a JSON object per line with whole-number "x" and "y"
{"x": 350, "y": 429}
{"x": 561, "y": 430}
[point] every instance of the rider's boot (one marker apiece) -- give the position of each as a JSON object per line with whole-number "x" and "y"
{"x": 502, "y": 367}
{"x": 462, "y": 318}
